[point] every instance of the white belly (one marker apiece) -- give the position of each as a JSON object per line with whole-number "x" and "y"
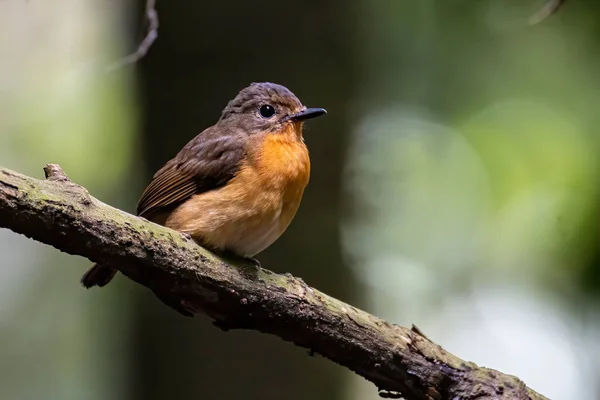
{"x": 257, "y": 236}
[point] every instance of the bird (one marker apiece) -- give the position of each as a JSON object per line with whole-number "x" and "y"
{"x": 236, "y": 186}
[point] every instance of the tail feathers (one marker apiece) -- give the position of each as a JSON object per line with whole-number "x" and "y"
{"x": 98, "y": 275}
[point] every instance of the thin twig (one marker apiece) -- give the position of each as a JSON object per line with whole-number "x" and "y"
{"x": 547, "y": 10}
{"x": 144, "y": 46}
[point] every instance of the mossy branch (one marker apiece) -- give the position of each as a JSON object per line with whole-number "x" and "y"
{"x": 397, "y": 360}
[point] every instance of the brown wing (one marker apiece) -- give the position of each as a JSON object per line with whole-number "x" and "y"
{"x": 206, "y": 163}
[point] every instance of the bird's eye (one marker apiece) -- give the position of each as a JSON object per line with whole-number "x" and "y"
{"x": 266, "y": 111}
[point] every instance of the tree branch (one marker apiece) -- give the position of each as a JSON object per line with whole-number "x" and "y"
{"x": 397, "y": 360}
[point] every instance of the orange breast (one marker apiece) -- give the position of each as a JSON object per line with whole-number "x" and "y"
{"x": 284, "y": 165}
{"x": 257, "y": 205}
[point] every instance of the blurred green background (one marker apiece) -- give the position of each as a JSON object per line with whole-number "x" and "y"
{"x": 454, "y": 186}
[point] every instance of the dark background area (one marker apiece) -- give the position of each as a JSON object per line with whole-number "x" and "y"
{"x": 210, "y": 52}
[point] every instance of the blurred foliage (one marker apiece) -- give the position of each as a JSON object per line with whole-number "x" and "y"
{"x": 57, "y": 105}
{"x": 473, "y": 182}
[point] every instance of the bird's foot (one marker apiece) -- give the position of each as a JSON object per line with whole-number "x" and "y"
{"x": 253, "y": 261}
{"x": 187, "y": 236}
{"x": 228, "y": 255}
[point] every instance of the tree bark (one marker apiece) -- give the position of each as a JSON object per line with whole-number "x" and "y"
{"x": 398, "y": 360}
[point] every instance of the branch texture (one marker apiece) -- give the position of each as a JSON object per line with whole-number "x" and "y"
{"x": 399, "y": 361}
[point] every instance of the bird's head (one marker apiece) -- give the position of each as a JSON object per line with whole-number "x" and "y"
{"x": 267, "y": 108}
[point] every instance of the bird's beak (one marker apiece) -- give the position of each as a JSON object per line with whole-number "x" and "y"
{"x": 307, "y": 114}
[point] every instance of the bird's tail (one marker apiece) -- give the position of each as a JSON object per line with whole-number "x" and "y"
{"x": 98, "y": 275}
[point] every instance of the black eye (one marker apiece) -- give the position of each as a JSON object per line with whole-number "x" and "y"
{"x": 266, "y": 111}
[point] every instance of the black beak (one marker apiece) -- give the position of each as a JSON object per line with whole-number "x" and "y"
{"x": 307, "y": 114}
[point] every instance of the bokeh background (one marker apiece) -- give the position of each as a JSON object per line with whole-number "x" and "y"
{"x": 454, "y": 186}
